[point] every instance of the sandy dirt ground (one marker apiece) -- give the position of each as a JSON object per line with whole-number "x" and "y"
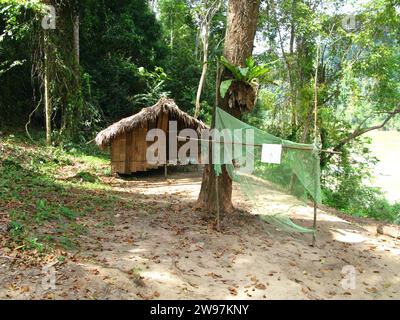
{"x": 163, "y": 249}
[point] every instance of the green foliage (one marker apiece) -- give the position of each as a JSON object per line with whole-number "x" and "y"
{"x": 85, "y": 176}
{"x": 117, "y": 42}
{"x": 44, "y": 207}
{"x": 252, "y": 74}
{"x": 16, "y": 229}
{"x": 12, "y": 11}
{"x": 43, "y": 212}
{"x": 69, "y": 214}
{"x": 17, "y": 20}
{"x": 347, "y": 187}
{"x": 155, "y": 83}
{"x": 183, "y": 61}
{"x": 248, "y": 74}
{"x": 114, "y": 40}
{"x": 225, "y": 85}
{"x": 363, "y": 201}
{"x": 180, "y": 62}
{"x": 117, "y": 39}
{"x": 34, "y": 244}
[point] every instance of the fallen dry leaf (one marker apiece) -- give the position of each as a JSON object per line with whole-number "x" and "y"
{"x": 233, "y": 291}
{"x": 214, "y": 275}
{"x": 372, "y": 290}
{"x": 24, "y": 289}
{"x": 261, "y": 286}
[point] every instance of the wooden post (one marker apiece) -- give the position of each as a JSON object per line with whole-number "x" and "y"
{"x": 166, "y": 170}
{"x": 315, "y": 224}
{"x": 217, "y": 195}
{"x": 316, "y": 134}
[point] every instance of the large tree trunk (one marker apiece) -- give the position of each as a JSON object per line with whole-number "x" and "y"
{"x": 239, "y": 42}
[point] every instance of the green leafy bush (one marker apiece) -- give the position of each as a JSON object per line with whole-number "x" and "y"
{"x": 346, "y": 187}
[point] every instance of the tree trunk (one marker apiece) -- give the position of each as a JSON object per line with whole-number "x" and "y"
{"x": 47, "y": 95}
{"x": 76, "y": 38}
{"x": 239, "y": 41}
{"x": 206, "y": 19}
{"x": 203, "y": 73}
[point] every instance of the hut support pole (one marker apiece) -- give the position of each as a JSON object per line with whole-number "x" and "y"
{"x": 316, "y": 134}
{"x": 315, "y": 224}
{"x": 217, "y": 195}
{"x": 165, "y": 171}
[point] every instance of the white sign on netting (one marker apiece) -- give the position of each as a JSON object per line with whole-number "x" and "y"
{"x": 271, "y": 153}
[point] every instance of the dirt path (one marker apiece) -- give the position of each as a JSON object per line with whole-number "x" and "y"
{"x": 161, "y": 249}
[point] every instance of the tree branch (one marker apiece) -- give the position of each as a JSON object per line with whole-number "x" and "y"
{"x": 359, "y": 132}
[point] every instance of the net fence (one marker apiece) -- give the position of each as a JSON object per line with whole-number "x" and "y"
{"x": 276, "y": 177}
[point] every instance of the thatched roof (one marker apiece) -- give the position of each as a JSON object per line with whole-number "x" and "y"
{"x": 149, "y": 114}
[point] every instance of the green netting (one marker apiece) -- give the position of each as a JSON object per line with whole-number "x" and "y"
{"x": 273, "y": 191}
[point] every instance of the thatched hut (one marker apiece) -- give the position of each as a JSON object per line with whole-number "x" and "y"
{"x": 127, "y": 137}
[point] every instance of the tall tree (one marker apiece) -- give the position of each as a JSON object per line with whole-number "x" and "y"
{"x": 183, "y": 70}
{"x": 75, "y": 18}
{"x": 242, "y": 23}
{"x": 48, "y": 107}
{"x": 47, "y": 94}
{"x": 206, "y": 13}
